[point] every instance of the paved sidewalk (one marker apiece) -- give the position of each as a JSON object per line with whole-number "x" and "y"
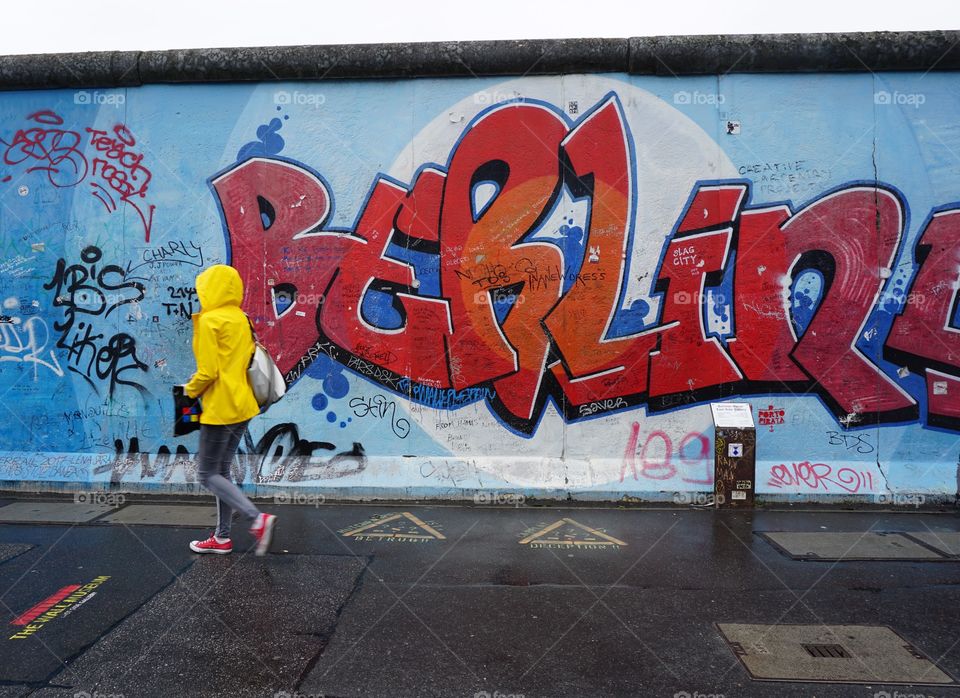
{"x": 387, "y": 600}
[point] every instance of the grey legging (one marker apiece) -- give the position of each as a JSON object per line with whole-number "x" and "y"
{"x": 218, "y": 445}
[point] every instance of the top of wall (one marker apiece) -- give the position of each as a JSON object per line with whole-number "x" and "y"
{"x": 659, "y": 55}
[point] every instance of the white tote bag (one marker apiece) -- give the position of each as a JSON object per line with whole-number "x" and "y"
{"x": 265, "y": 378}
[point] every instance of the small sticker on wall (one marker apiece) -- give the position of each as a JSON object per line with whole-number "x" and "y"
{"x": 940, "y": 387}
{"x": 735, "y": 450}
{"x": 738, "y": 495}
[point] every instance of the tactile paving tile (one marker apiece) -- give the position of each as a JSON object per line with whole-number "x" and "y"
{"x": 947, "y": 542}
{"x": 868, "y": 654}
{"x": 164, "y": 515}
{"x": 52, "y": 512}
{"x": 8, "y": 551}
{"x": 831, "y": 545}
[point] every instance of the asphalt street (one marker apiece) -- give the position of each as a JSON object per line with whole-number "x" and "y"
{"x": 413, "y": 600}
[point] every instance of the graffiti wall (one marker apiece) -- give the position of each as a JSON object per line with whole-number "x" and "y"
{"x": 535, "y": 285}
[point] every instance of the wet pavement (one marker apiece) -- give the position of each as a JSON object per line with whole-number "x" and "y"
{"x": 397, "y": 600}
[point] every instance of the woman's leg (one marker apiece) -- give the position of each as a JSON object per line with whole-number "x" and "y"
{"x": 218, "y": 445}
{"x": 224, "y": 511}
{"x": 224, "y": 519}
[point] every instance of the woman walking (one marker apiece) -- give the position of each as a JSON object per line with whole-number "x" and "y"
{"x": 222, "y": 347}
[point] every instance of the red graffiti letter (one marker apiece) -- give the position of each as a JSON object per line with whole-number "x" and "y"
{"x": 271, "y": 209}
{"x": 594, "y": 365}
{"x": 764, "y": 338}
{"x": 923, "y": 337}
{"x": 513, "y": 151}
{"x": 416, "y": 348}
{"x": 688, "y": 360}
{"x": 850, "y": 236}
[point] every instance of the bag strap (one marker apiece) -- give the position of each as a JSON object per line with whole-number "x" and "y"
{"x": 256, "y": 340}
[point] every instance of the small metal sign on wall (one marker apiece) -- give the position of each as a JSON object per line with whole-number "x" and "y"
{"x": 735, "y": 455}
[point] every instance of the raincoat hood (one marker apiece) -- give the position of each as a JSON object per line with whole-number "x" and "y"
{"x": 218, "y": 286}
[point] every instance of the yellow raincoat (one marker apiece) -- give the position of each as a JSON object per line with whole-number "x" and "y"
{"x": 222, "y": 347}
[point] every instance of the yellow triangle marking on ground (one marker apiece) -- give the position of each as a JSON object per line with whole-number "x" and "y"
{"x": 426, "y": 527}
{"x": 418, "y": 536}
{"x": 373, "y": 524}
{"x": 615, "y": 541}
{"x": 607, "y": 539}
{"x": 434, "y": 533}
{"x": 546, "y": 530}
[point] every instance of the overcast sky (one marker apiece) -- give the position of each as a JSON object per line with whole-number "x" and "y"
{"x": 69, "y": 25}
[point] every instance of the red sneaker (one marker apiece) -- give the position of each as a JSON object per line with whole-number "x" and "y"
{"x": 262, "y": 530}
{"x": 212, "y": 545}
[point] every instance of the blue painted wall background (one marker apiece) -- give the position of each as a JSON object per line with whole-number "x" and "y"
{"x": 99, "y": 411}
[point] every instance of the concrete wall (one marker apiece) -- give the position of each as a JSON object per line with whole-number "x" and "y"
{"x": 532, "y": 285}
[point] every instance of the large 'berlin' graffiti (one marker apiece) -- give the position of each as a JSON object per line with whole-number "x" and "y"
{"x": 534, "y": 284}
{"x": 442, "y": 286}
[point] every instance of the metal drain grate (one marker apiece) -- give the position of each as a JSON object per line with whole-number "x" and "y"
{"x": 827, "y": 651}
{"x": 861, "y": 654}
